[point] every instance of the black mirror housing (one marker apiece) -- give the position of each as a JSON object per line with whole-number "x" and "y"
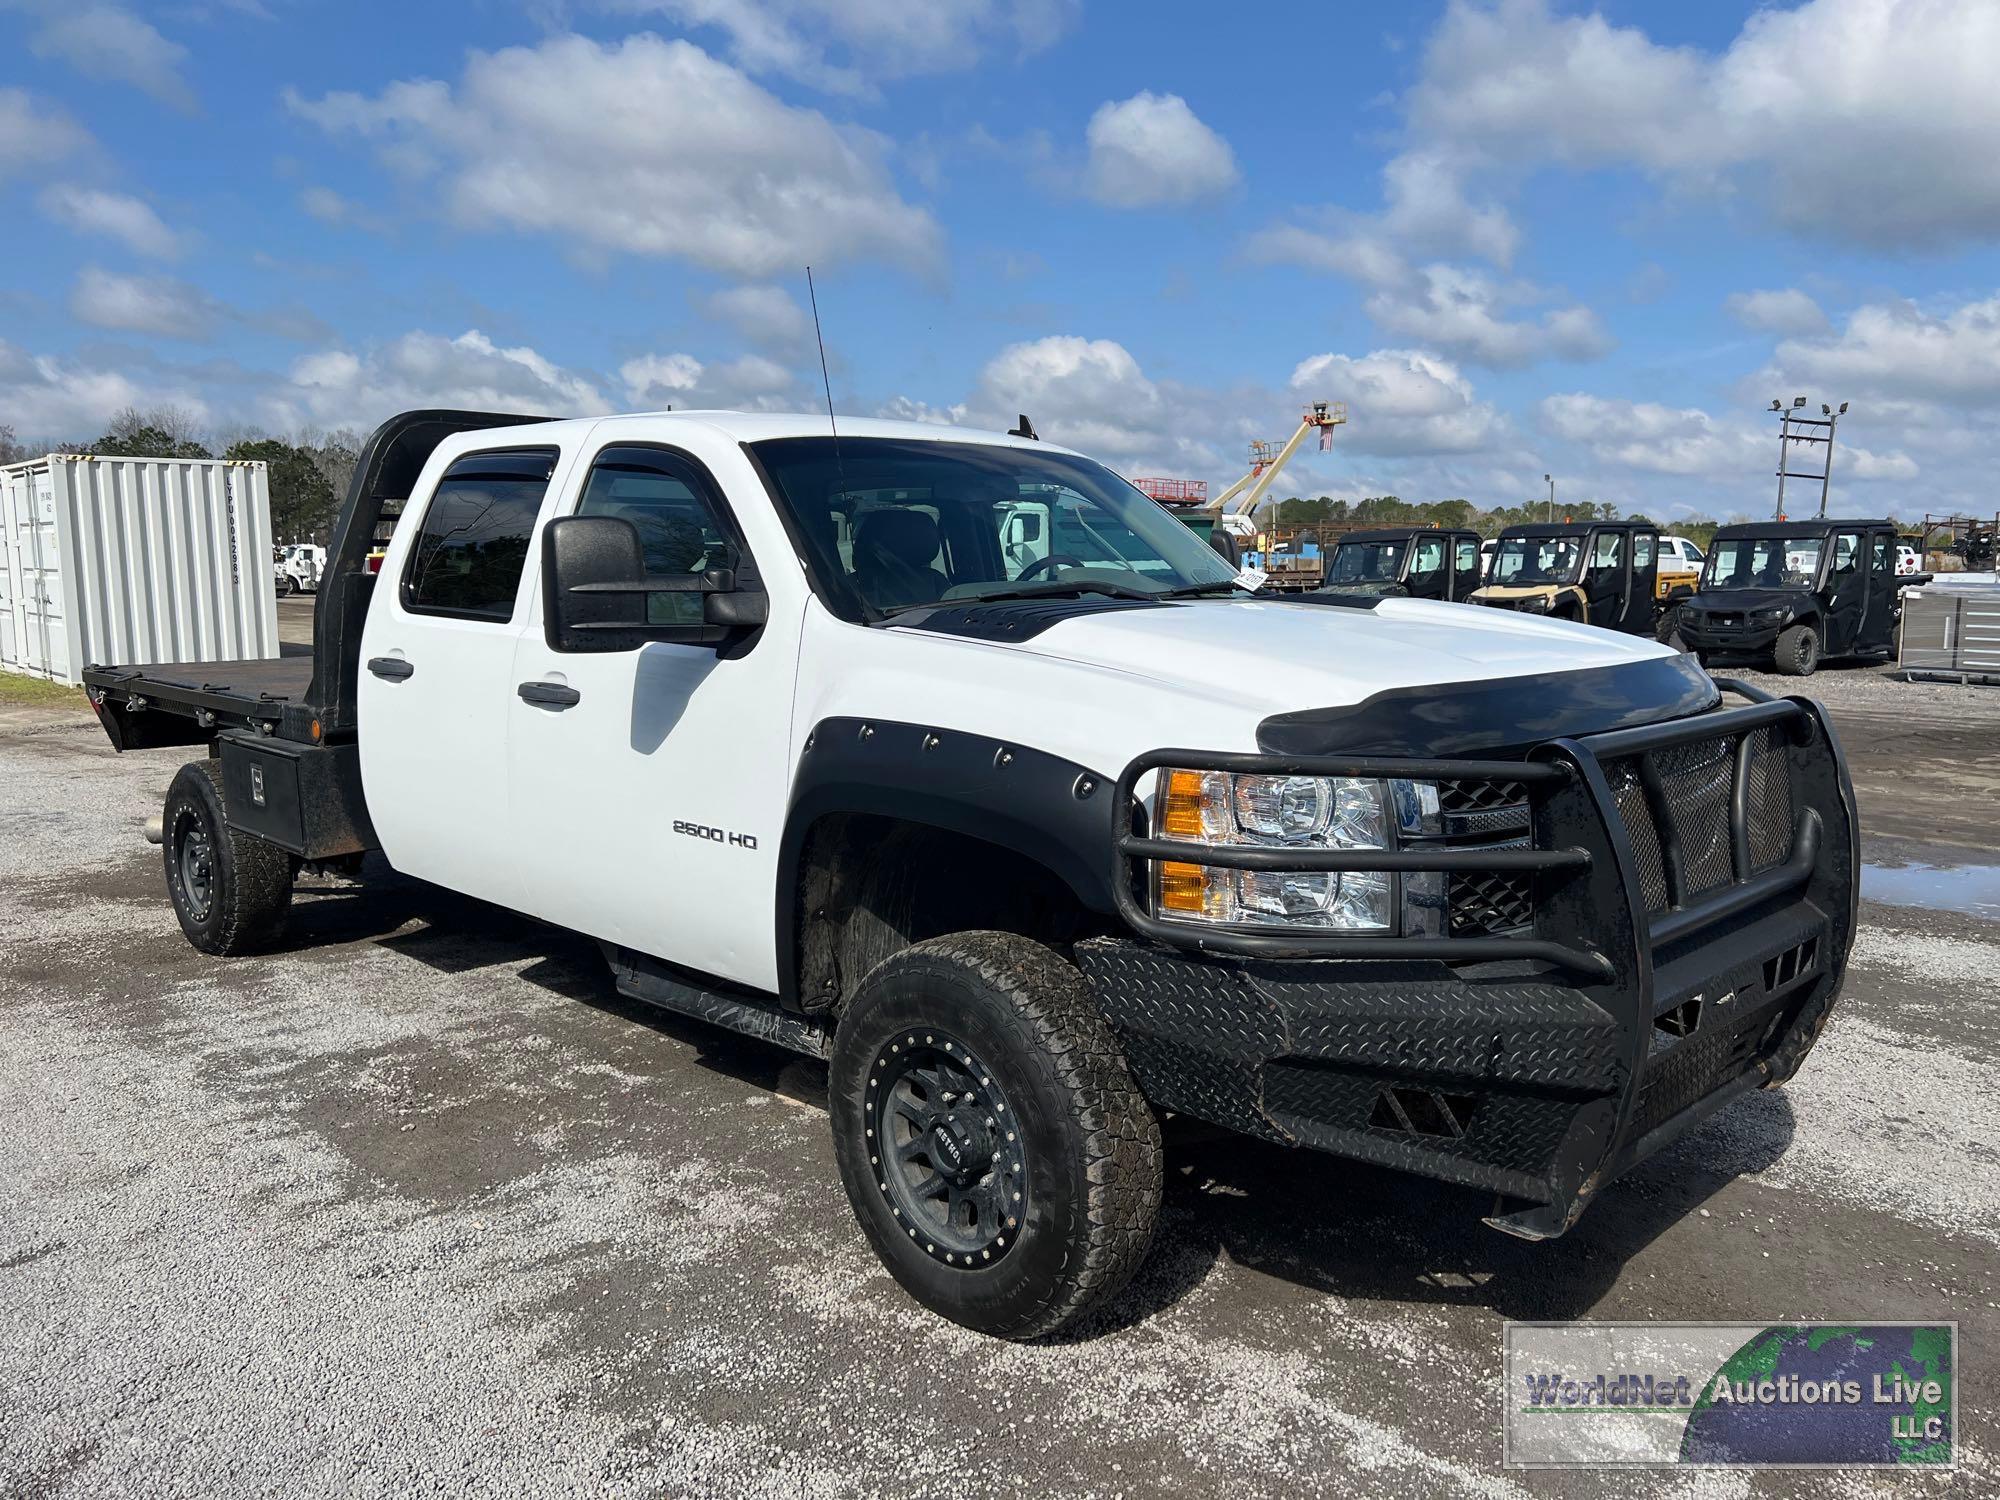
{"x": 596, "y": 593}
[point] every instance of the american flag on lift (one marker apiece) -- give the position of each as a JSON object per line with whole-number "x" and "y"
{"x": 1326, "y": 415}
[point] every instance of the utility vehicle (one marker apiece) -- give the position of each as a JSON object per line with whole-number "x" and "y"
{"x": 1795, "y": 593}
{"x": 1590, "y": 572}
{"x": 823, "y": 746}
{"x": 1414, "y": 562}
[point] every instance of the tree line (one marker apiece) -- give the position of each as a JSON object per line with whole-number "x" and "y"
{"x": 308, "y": 470}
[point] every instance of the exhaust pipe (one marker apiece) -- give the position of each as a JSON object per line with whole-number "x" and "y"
{"x": 156, "y": 829}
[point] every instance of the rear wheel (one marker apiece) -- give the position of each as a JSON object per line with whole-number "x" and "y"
{"x": 231, "y": 890}
{"x": 1797, "y": 651}
{"x": 995, "y": 1149}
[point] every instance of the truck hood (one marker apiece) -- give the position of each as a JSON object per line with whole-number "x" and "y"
{"x": 1276, "y": 655}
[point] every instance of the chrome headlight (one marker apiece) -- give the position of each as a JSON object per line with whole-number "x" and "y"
{"x": 1534, "y": 604}
{"x": 1298, "y": 812}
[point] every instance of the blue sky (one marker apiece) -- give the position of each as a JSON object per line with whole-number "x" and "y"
{"x": 1516, "y": 236}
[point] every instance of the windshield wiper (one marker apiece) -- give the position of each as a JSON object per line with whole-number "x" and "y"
{"x": 1197, "y": 590}
{"x": 1032, "y": 591}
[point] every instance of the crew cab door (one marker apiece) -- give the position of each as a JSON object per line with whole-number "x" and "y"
{"x": 1604, "y": 579}
{"x": 649, "y": 785}
{"x": 1428, "y": 575}
{"x": 436, "y": 684}
{"x": 1878, "y": 612}
{"x": 1466, "y": 566}
{"x": 1846, "y": 594}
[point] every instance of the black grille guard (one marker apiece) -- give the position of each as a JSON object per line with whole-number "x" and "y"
{"x": 1579, "y": 843}
{"x": 1591, "y": 920}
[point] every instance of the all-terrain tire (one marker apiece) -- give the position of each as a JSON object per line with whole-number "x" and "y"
{"x": 231, "y": 890}
{"x": 1796, "y": 653}
{"x": 1088, "y": 1153}
{"x": 1667, "y": 630}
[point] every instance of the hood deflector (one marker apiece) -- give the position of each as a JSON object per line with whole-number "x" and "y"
{"x": 1497, "y": 714}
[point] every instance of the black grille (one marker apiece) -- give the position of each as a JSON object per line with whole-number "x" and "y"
{"x": 1480, "y": 796}
{"x": 1697, "y": 779}
{"x": 1638, "y": 819}
{"x": 1487, "y": 903}
{"x": 1770, "y": 801}
{"x": 1696, "y": 782}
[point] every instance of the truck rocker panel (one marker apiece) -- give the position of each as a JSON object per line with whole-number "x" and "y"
{"x": 867, "y": 747}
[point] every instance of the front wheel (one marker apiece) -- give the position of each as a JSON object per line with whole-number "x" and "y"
{"x": 1797, "y": 651}
{"x": 995, "y": 1149}
{"x": 231, "y": 890}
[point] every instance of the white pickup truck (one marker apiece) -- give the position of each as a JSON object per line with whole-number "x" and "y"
{"x": 954, "y": 760}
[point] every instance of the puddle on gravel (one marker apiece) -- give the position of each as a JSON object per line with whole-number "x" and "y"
{"x": 1973, "y": 889}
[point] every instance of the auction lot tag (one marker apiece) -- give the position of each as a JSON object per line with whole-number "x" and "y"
{"x": 1731, "y": 1395}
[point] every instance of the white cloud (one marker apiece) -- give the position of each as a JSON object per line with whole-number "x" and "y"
{"x": 62, "y": 401}
{"x": 35, "y": 133}
{"x": 766, "y": 316}
{"x": 110, "y": 42}
{"x": 1789, "y": 311}
{"x": 748, "y": 383}
{"x": 877, "y": 39}
{"x": 117, "y": 216}
{"x": 1689, "y": 442}
{"x": 647, "y": 147}
{"x": 1151, "y": 150}
{"x": 340, "y": 387}
{"x": 1400, "y": 402}
{"x": 1461, "y": 312}
{"x": 157, "y": 305}
{"x": 1093, "y": 395}
{"x": 1899, "y": 352}
{"x": 1865, "y": 121}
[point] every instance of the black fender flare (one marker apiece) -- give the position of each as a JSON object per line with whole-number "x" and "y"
{"x": 1052, "y": 811}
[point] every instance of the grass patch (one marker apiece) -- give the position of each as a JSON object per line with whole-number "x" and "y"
{"x": 38, "y": 692}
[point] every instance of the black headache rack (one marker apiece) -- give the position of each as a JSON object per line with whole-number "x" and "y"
{"x": 1678, "y": 903}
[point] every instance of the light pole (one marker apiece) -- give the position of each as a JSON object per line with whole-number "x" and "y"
{"x": 1549, "y": 480}
{"x": 1828, "y": 418}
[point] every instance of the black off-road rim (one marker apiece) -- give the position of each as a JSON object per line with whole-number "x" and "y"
{"x": 945, "y": 1149}
{"x": 195, "y": 859}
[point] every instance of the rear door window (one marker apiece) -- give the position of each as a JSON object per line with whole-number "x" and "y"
{"x": 468, "y": 559}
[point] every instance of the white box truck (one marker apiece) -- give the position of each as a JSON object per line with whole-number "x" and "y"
{"x": 162, "y": 560}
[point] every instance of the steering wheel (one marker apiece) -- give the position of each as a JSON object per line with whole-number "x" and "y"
{"x": 1043, "y": 564}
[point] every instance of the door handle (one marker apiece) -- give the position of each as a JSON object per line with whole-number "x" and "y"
{"x": 549, "y": 694}
{"x": 394, "y": 668}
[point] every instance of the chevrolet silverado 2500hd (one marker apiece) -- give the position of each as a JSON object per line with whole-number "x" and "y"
{"x": 952, "y": 759}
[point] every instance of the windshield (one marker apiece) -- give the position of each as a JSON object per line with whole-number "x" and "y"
{"x": 1537, "y": 559}
{"x": 1763, "y": 562}
{"x": 1367, "y": 562}
{"x": 894, "y": 524}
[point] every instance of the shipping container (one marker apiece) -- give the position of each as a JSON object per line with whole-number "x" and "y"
{"x": 126, "y": 560}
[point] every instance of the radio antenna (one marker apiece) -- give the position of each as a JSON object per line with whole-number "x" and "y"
{"x": 826, "y": 380}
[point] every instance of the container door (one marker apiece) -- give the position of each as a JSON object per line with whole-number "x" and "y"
{"x": 11, "y": 487}
{"x": 45, "y": 643}
{"x": 436, "y": 686}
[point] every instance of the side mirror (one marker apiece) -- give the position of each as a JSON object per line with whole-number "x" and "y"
{"x": 598, "y": 596}
{"x": 1224, "y": 544}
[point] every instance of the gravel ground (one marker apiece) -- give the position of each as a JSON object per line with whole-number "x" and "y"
{"x": 419, "y": 1206}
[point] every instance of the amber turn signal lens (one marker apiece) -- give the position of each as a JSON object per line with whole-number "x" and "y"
{"x": 1182, "y": 818}
{"x": 1181, "y": 886}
